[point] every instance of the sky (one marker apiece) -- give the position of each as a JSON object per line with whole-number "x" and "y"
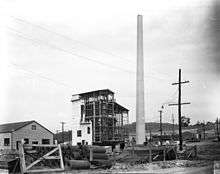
{"x": 51, "y": 50}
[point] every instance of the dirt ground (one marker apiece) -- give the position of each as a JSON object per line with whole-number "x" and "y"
{"x": 208, "y": 150}
{"x": 208, "y": 161}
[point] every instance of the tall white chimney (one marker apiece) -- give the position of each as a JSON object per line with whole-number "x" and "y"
{"x": 140, "y": 113}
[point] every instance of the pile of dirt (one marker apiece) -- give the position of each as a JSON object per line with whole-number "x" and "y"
{"x": 125, "y": 167}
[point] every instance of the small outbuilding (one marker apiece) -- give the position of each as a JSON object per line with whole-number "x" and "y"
{"x": 31, "y": 132}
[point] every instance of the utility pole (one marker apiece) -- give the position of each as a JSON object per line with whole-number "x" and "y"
{"x": 217, "y": 129}
{"x": 203, "y": 126}
{"x": 161, "y": 131}
{"x": 150, "y": 136}
{"x": 173, "y": 124}
{"x": 179, "y": 83}
{"x": 62, "y": 123}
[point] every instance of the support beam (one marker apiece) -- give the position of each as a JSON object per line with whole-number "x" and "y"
{"x": 161, "y": 130}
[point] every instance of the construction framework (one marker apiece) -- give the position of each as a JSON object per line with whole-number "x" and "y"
{"x": 106, "y": 115}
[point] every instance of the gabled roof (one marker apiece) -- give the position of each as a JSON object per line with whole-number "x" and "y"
{"x": 11, "y": 127}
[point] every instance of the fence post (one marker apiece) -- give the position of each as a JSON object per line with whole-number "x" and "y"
{"x": 90, "y": 154}
{"x": 114, "y": 156}
{"x": 21, "y": 155}
{"x": 132, "y": 150}
{"x": 150, "y": 155}
{"x": 164, "y": 154}
{"x": 61, "y": 157}
{"x": 195, "y": 149}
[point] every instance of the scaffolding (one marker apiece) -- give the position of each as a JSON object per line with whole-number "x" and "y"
{"x": 106, "y": 115}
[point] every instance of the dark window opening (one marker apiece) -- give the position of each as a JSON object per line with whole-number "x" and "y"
{"x": 34, "y": 142}
{"x": 45, "y": 141}
{"x": 83, "y": 142}
{"x": 88, "y": 130}
{"x": 17, "y": 144}
{"x": 78, "y": 143}
{"x": 33, "y": 127}
{"x": 6, "y": 141}
{"x": 82, "y": 112}
{"x": 26, "y": 141}
{"x": 79, "y": 133}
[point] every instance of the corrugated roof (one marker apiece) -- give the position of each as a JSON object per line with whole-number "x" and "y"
{"x": 10, "y": 127}
{"x": 96, "y": 91}
{"x": 120, "y": 107}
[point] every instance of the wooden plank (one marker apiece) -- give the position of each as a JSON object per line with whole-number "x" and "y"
{"x": 61, "y": 157}
{"x": 45, "y": 170}
{"x": 52, "y": 157}
{"x": 22, "y": 159}
{"x": 31, "y": 151}
{"x": 156, "y": 157}
{"x": 41, "y": 158}
{"x": 43, "y": 145}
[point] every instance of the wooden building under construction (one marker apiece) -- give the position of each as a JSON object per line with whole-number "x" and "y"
{"x": 98, "y": 118}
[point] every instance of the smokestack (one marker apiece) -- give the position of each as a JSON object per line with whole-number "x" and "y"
{"x": 140, "y": 114}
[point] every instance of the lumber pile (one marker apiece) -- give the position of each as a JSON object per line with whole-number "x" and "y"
{"x": 99, "y": 157}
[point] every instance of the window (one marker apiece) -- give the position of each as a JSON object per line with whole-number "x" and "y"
{"x": 88, "y": 130}
{"x": 33, "y": 127}
{"x": 17, "y": 144}
{"x": 82, "y": 112}
{"x": 26, "y": 141}
{"x": 34, "y": 142}
{"x": 83, "y": 142}
{"x": 45, "y": 141}
{"x": 79, "y": 133}
{"x": 78, "y": 143}
{"x": 86, "y": 143}
{"x": 6, "y": 141}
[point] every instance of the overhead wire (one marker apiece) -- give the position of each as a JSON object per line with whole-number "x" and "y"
{"x": 39, "y": 42}
{"x": 79, "y": 42}
{"x": 41, "y": 76}
{"x": 71, "y": 39}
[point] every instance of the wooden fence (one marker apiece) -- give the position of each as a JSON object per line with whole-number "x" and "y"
{"x": 26, "y": 152}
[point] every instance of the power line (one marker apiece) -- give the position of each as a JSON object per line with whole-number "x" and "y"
{"x": 42, "y": 76}
{"x": 170, "y": 98}
{"x": 79, "y": 42}
{"x": 39, "y": 42}
{"x": 74, "y": 40}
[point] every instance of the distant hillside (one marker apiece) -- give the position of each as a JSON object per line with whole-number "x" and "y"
{"x": 154, "y": 127}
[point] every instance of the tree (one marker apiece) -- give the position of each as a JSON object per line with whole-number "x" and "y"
{"x": 185, "y": 121}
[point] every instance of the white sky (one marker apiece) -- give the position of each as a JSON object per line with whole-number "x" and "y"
{"x": 55, "y": 39}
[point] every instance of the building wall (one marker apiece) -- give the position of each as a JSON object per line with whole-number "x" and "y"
{"x": 76, "y": 110}
{"x": 85, "y": 136}
{"x": 2, "y": 136}
{"x": 33, "y": 135}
